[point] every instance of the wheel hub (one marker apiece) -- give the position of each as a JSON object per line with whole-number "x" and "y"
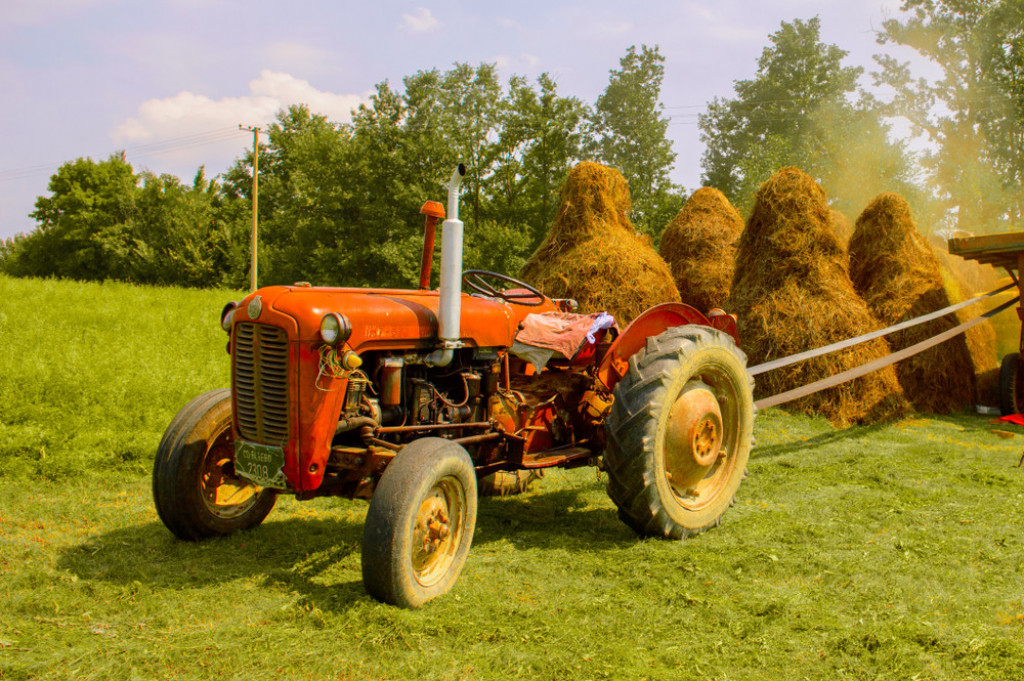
{"x": 435, "y": 532}
{"x": 434, "y": 524}
{"x": 225, "y": 495}
{"x": 693, "y": 439}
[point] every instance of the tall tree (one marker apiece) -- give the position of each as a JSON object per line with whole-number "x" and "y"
{"x": 630, "y": 134}
{"x": 972, "y": 113}
{"x": 770, "y": 122}
{"x": 83, "y": 225}
{"x": 798, "y": 110}
{"x": 541, "y": 136}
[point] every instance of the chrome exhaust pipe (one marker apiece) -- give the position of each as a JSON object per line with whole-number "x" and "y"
{"x": 449, "y": 305}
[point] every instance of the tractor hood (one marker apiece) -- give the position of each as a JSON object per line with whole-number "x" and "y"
{"x": 390, "y": 319}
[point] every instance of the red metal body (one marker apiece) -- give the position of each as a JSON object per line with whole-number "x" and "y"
{"x": 384, "y": 321}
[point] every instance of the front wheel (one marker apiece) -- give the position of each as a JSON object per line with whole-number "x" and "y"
{"x": 680, "y": 432}
{"x": 420, "y": 523}
{"x": 196, "y": 491}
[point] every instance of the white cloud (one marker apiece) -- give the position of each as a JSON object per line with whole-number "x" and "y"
{"x": 524, "y": 64}
{"x": 420, "y": 21}
{"x": 190, "y": 129}
{"x": 188, "y": 113}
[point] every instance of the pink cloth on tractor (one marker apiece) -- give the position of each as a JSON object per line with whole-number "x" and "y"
{"x": 562, "y": 332}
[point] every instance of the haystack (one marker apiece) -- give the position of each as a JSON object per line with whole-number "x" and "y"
{"x": 699, "y": 246}
{"x": 899, "y": 276}
{"x": 592, "y": 253}
{"x": 841, "y": 227}
{"x": 792, "y": 292}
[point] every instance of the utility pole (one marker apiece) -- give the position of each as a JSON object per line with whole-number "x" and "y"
{"x": 255, "y": 193}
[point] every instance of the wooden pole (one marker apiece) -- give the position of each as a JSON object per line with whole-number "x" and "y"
{"x": 255, "y": 199}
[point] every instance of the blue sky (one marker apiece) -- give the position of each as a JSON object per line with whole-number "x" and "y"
{"x": 170, "y": 80}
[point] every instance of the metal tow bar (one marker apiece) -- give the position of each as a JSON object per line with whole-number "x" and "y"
{"x": 877, "y": 364}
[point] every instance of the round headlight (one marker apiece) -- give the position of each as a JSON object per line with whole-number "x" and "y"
{"x": 330, "y": 328}
{"x": 334, "y": 328}
{"x": 227, "y": 315}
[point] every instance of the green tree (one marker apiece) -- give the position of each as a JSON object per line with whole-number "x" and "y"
{"x": 541, "y": 136}
{"x": 972, "y": 113}
{"x": 630, "y": 133}
{"x": 771, "y": 121}
{"x": 178, "y": 234}
{"x": 82, "y": 226}
{"x": 798, "y": 110}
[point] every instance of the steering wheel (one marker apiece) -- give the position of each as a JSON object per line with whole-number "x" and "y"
{"x": 474, "y": 281}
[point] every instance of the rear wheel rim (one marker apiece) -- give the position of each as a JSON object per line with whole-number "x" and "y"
{"x": 699, "y": 477}
{"x": 224, "y": 494}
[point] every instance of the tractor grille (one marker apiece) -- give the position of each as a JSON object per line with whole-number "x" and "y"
{"x": 261, "y": 383}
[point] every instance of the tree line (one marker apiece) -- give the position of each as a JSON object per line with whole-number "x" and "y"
{"x": 338, "y": 202}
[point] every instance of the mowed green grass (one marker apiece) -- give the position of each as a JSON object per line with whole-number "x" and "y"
{"x": 887, "y": 552}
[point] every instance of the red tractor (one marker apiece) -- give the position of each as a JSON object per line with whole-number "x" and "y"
{"x": 408, "y": 397}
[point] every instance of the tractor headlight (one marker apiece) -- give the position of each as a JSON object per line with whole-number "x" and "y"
{"x": 335, "y": 328}
{"x": 227, "y": 315}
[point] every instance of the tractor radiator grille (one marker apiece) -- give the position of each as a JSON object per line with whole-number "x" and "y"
{"x": 261, "y": 383}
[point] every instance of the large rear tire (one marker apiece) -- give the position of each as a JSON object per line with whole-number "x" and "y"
{"x": 680, "y": 432}
{"x": 195, "y": 489}
{"x": 420, "y": 523}
{"x": 1010, "y": 385}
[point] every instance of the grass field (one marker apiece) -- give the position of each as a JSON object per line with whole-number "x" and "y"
{"x": 886, "y": 552}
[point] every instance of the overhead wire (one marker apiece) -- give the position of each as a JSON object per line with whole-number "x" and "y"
{"x": 158, "y": 148}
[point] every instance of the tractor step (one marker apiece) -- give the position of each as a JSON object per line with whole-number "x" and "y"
{"x": 555, "y": 457}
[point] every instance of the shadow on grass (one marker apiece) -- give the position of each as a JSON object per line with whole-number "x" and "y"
{"x": 291, "y": 552}
{"x": 975, "y": 423}
{"x": 552, "y": 520}
{"x": 850, "y": 434}
{"x": 316, "y": 557}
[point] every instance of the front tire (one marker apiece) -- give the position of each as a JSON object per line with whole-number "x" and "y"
{"x": 196, "y": 492}
{"x": 680, "y": 432}
{"x": 420, "y": 523}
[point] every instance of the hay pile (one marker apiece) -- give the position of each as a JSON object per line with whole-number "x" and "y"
{"x": 899, "y": 276}
{"x": 592, "y": 253}
{"x": 968, "y": 278}
{"x": 792, "y": 292}
{"x": 699, "y": 246}
{"x": 841, "y": 227}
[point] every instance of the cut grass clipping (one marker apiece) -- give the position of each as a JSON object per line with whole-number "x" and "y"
{"x": 895, "y": 271}
{"x": 593, "y": 255}
{"x": 699, "y": 246}
{"x": 792, "y": 292}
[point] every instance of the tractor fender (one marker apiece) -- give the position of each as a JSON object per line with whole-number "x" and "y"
{"x": 651, "y": 323}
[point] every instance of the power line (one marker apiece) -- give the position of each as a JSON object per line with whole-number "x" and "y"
{"x": 162, "y": 147}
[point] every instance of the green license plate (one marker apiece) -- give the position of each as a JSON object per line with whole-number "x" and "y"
{"x": 262, "y": 464}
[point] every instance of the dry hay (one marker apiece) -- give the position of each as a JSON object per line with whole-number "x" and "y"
{"x": 899, "y": 276}
{"x": 792, "y": 292}
{"x": 982, "y": 340}
{"x": 592, "y": 253}
{"x": 841, "y": 227}
{"x": 699, "y": 246}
